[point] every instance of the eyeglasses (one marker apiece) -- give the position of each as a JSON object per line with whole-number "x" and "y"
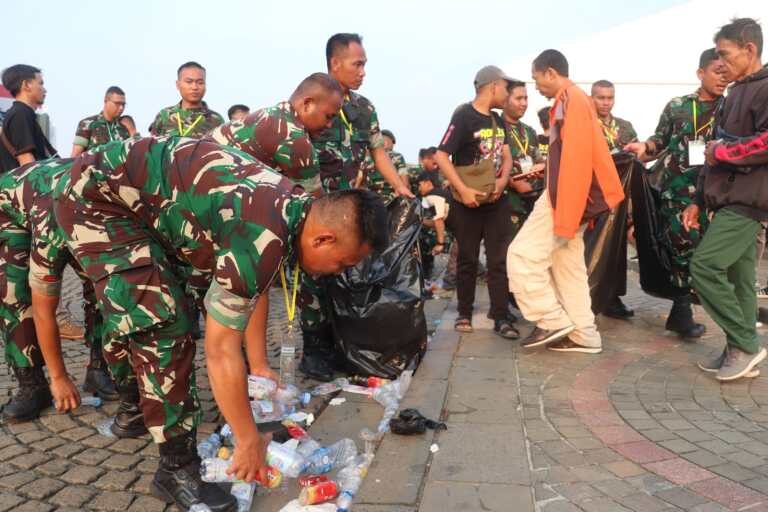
{"x": 118, "y": 103}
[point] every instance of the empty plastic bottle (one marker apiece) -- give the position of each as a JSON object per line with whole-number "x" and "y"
{"x": 349, "y": 480}
{"x": 260, "y": 388}
{"x": 91, "y": 401}
{"x": 329, "y": 387}
{"x": 243, "y": 493}
{"x": 209, "y": 446}
{"x": 288, "y": 461}
{"x": 336, "y": 455}
{"x": 215, "y": 470}
{"x": 288, "y": 357}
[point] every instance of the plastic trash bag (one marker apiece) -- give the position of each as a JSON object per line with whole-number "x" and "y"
{"x": 378, "y": 313}
{"x": 605, "y": 244}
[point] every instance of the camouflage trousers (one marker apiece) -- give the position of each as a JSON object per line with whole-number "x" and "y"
{"x": 17, "y": 329}
{"x": 142, "y": 296}
{"x": 677, "y": 194}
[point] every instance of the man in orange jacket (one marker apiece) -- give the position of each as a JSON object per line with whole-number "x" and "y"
{"x": 545, "y": 263}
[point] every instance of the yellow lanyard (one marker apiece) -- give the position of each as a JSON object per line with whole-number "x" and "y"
{"x": 696, "y": 131}
{"x": 611, "y": 132}
{"x": 344, "y": 120}
{"x": 290, "y": 306}
{"x": 524, "y": 149}
{"x": 109, "y": 132}
{"x": 182, "y": 131}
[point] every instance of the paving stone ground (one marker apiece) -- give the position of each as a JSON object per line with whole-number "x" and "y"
{"x": 636, "y": 428}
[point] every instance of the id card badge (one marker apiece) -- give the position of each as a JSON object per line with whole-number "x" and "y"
{"x": 696, "y": 152}
{"x": 526, "y": 164}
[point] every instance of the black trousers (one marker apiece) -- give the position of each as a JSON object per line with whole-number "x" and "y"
{"x": 491, "y": 223}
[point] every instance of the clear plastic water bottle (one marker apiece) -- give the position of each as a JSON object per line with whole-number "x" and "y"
{"x": 288, "y": 357}
{"x": 336, "y": 455}
{"x": 349, "y": 480}
{"x": 288, "y": 461}
{"x": 91, "y": 401}
{"x": 243, "y": 493}
{"x": 209, "y": 446}
{"x": 215, "y": 470}
{"x": 260, "y": 388}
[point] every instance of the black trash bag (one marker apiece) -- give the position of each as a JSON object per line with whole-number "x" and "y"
{"x": 605, "y": 244}
{"x": 411, "y": 422}
{"x": 378, "y": 313}
{"x": 653, "y": 256}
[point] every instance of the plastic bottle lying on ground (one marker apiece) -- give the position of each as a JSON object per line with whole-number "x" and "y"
{"x": 288, "y": 461}
{"x": 349, "y": 480}
{"x": 329, "y": 387}
{"x": 243, "y": 493}
{"x": 318, "y": 493}
{"x": 369, "y": 382}
{"x": 336, "y": 455}
{"x": 209, "y": 446}
{"x": 91, "y": 401}
{"x": 295, "y": 506}
{"x": 215, "y": 470}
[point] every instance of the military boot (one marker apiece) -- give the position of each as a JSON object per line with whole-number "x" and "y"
{"x": 97, "y": 378}
{"x": 178, "y": 480}
{"x": 680, "y": 319}
{"x": 33, "y": 395}
{"x": 129, "y": 420}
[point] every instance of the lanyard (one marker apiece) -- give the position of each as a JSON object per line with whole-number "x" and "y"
{"x": 344, "y": 120}
{"x": 290, "y": 305}
{"x": 611, "y": 132}
{"x": 696, "y": 130}
{"x": 523, "y": 148}
{"x": 182, "y": 131}
{"x": 109, "y": 132}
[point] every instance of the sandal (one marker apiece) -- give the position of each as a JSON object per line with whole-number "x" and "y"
{"x": 463, "y": 324}
{"x": 505, "y": 329}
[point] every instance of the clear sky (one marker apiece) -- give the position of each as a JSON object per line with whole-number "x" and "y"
{"x": 422, "y": 54}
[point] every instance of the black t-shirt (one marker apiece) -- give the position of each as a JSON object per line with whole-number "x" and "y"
{"x": 470, "y": 138}
{"x": 22, "y": 133}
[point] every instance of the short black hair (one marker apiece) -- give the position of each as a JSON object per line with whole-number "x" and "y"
{"x": 425, "y": 152}
{"x": 551, "y": 59}
{"x": 368, "y": 211}
{"x": 338, "y": 41}
{"x": 235, "y": 108}
{"x": 15, "y": 75}
{"x": 707, "y": 56}
{"x": 427, "y": 176}
{"x": 189, "y": 64}
{"x": 742, "y": 31}
{"x": 322, "y": 81}
{"x": 514, "y": 84}
{"x": 113, "y": 89}
{"x": 604, "y": 83}
{"x": 544, "y": 117}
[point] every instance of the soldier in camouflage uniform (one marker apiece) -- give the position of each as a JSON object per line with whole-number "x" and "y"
{"x": 191, "y": 117}
{"x": 103, "y": 127}
{"x": 132, "y": 213}
{"x": 525, "y": 155}
{"x": 684, "y": 125}
{"x": 427, "y": 163}
{"x": 32, "y": 260}
{"x": 280, "y": 136}
{"x": 342, "y": 149}
{"x": 433, "y": 237}
{"x": 376, "y": 181}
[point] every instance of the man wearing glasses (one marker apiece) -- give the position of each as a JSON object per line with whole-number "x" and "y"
{"x": 103, "y": 127}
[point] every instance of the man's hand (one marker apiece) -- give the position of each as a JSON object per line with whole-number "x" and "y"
{"x": 709, "y": 153}
{"x": 691, "y": 217}
{"x": 65, "y": 395}
{"x": 498, "y": 189}
{"x": 266, "y": 372}
{"x": 402, "y": 190}
{"x": 638, "y": 148}
{"x": 438, "y": 249}
{"x": 469, "y": 196}
{"x": 249, "y": 459}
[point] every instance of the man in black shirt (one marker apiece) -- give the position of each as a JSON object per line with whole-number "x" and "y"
{"x": 22, "y": 140}
{"x": 478, "y": 134}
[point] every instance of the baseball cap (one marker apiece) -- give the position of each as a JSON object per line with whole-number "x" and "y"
{"x": 488, "y": 74}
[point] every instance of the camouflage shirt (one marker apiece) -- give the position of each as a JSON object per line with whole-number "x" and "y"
{"x": 376, "y": 181}
{"x": 341, "y": 149}
{"x": 215, "y": 208}
{"x": 26, "y": 205}
{"x": 618, "y": 133}
{"x": 523, "y": 142}
{"x": 276, "y": 137}
{"x": 194, "y": 123}
{"x": 676, "y": 127}
{"x": 96, "y": 130}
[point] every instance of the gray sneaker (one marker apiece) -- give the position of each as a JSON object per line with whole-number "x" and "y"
{"x": 713, "y": 365}
{"x": 738, "y": 364}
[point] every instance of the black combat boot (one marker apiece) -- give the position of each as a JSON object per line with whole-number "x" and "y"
{"x": 129, "y": 420}
{"x": 318, "y": 360}
{"x": 97, "y": 378}
{"x": 178, "y": 480}
{"x": 680, "y": 319}
{"x": 33, "y": 395}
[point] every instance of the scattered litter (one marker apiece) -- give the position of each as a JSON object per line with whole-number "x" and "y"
{"x": 358, "y": 390}
{"x": 411, "y": 422}
{"x": 90, "y": 401}
{"x": 338, "y": 400}
{"x": 434, "y": 448}
{"x": 294, "y": 506}
{"x": 104, "y": 428}
{"x": 299, "y": 417}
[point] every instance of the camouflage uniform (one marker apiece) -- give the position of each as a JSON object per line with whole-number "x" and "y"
{"x": 132, "y": 211}
{"x": 618, "y": 133}
{"x": 33, "y": 254}
{"x": 195, "y": 123}
{"x": 376, "y": 181}
{"x": 275, "y": 137}
{"x": 523, "y": 142}
{"x": 96, "y": 130}
{"x": 342, "y": 147}
{"x": 678, "y": 189}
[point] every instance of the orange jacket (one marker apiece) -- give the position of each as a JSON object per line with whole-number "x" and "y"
{"x": 582, "y": 180}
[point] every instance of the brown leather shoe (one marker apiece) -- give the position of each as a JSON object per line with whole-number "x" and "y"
{"x": 69, "y": 331}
